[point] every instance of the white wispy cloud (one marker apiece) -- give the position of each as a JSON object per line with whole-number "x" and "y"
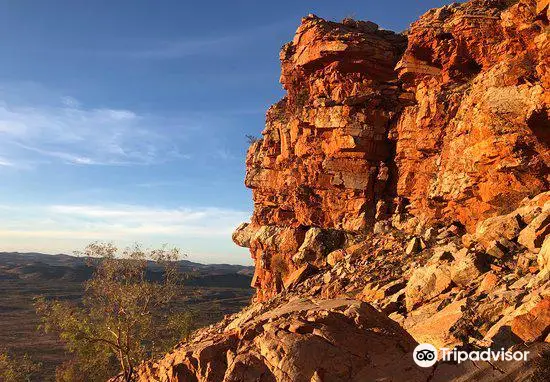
{"x": 127, "y": 219}
{"x": 204, "y": 233}
{"x": 73, "y": 134}
{"x": 6, "y": 163}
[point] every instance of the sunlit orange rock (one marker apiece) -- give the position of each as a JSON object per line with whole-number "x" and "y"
{"x": 322, "y": 159}
{"x": 475, "y": 143}
{"x": 318, "y": 161}
{"x": 449, "y": 124}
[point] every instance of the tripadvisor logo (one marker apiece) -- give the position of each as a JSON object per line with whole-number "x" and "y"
{"x": 425, "y": 355}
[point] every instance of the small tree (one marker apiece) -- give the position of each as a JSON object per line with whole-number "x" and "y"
{"x": 18, "y": 369}
{"x": 251, "y": 139}
{"x": 127, "y": 313}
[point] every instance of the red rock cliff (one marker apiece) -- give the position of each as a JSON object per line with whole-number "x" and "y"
{"x": 319, "y": 162}
{"x": 475, "y": 141}
{"x": 449, "y": 123}
{"x": 322, "y": 163}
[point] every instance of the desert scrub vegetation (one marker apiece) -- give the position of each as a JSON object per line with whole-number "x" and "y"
{"x": 18, "y": 368}
{"x": 252, "y": 138}
{"x": 126, "y": 314}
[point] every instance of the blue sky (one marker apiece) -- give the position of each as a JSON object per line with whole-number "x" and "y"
{"x": 125, "y": 120}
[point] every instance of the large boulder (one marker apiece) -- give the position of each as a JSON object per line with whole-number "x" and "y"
{"x": 298, "y": 341}
{"x": 465, "y": 270}
{"x": 243, "y": 234}
{"x": 435, "y": 329}
{"x": 497, "y": 227}
{"x": 427, "y": 283}
{"x": 318, "y": 243}
{"x": 534, "y": 325}
{"x": 534, "y": 234}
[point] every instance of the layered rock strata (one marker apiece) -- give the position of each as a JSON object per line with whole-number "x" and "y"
{"x": 449, "y": 124}
{"x": 475, "y": 141}
{"x": 321, "y": 165}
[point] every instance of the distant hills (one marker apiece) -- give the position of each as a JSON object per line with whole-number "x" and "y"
{"x": 40, "y": 266}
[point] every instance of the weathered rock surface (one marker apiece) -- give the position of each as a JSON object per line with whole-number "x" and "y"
{"x": 475, "y": 141}
{"x": 321, "y": 162}
{"x": 298, "y": 341}
{"x": 534, "y": 325}
{"x": 534, "y": 234}
{"x": 498, "y": 227}
{"x": 427, "y": 283}
{"x": 321, "y": 159}
{"x": 458, "y": 132}
{"x": 466, "y": 270}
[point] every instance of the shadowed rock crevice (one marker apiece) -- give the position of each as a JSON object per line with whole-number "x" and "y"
{"x": 539, "y": 123}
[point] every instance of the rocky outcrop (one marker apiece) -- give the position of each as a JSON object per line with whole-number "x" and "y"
{"x": 298, "y": 341}
{"x": 320, "y": 167}
{"x": 359, "y": 318}
{"x": 474, "y": 142}
{"x": 448, "y": 123}
{"x": 402, "y": 179}
{"x": 321, "y": 159}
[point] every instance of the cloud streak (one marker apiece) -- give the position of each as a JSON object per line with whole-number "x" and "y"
{"x": 5, "y": 163}
{"x": 119, "y": 220}
{"x": 64, "y": 228}
{"x": 73, "y": 134}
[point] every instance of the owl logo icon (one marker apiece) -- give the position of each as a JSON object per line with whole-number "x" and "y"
{"x": 425, "y": 355}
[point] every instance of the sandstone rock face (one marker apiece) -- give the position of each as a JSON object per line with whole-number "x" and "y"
{"x": 321, "y": 163}
{"x": 475, "y": 141}
{"x": 321, "y": 159}
{"x": 298, "y": 341}
{"x": 449, "y": 124}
